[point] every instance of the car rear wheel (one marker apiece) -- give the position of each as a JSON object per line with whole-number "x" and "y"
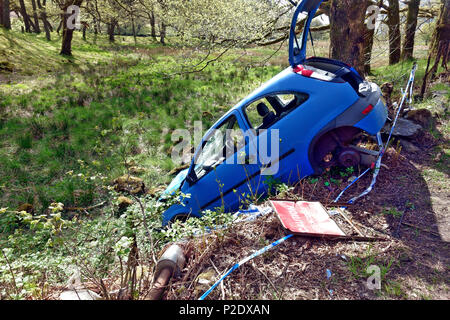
{"x": 339, "y": 147}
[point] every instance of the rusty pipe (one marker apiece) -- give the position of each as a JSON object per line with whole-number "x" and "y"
{"x": 169, "y": 265}
{"x": 160, "y": 284}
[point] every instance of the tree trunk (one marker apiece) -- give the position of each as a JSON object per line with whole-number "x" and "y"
{"x": 37, "y": 28}
{"x": 66, "y": 47}
{"x": 111, "y": 29}
{"x": 347, "y": 31}
{"x": 395, "y": 39}
{"x": 47, "y": 25}
{"x": 162, "y": 33}
{"x": 94, "y": 23}
{"x": 134, "y": 29}
{"x": 410, "y": 30}
{"x": 84, "y": 29}
{"x": 5, "y": 19}
{"x": 60, "y": 24}
{"x": 368, "y": 46}
{"x": 25, "y": 17}
{"x": 442, "y": 31}
{"x": 439, "y": 46}
{"x": 153, "y": 24}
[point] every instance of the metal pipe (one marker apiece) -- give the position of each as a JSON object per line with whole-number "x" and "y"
{"x": 169, "y": 265}
{"x": 160, "y": 284}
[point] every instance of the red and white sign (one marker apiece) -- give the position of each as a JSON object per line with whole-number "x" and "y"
{"x": 306, "y": 218}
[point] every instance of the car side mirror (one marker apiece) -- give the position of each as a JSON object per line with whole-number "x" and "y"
{"x": 190, "y": 180}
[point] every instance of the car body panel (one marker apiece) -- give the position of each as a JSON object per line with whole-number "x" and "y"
{"x": 375, "y": 120}
{"x": 329, "y": 105}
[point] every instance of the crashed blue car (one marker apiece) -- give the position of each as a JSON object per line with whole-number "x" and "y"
{"x": 298, "y": 124}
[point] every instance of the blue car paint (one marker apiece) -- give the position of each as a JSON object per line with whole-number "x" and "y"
{"x": 326, "y": 102}
{"x": 374, "y": 120}
{"x": 310, "y": 6}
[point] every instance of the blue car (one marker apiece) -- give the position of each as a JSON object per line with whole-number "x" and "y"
{"x": 299, "y": 123}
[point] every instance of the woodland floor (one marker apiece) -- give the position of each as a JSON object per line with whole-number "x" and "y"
{"x": 414, "y": 263}
{"x": 109, "y": 105}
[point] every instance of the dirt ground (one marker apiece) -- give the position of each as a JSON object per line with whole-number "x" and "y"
{"x": 414, "y": 262}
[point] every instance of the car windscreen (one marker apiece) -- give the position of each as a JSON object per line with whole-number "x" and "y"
{"x": 221, "y": 143}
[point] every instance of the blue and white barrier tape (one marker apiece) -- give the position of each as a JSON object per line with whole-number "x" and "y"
{"x": 240, "y": 263}
{"x": 383, "y": 149}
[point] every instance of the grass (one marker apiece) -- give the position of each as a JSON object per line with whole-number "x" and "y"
{"x": 398, "y": 74}
{"x": 64, "y": 121}
{"x": 108, "y": 106}
{"x": 394, "y": 289}
{"x": 361, "y": 268}
{"x": 392, "y": 212}
{"x": 113, "y": 104}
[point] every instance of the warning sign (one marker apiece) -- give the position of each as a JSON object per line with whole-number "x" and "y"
{"x": 306, "y": 218}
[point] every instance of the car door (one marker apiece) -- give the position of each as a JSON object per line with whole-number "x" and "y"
{"x": 303, "y": 15}
{"x": 274, "y": 138}
{"x": 219, "y": 172}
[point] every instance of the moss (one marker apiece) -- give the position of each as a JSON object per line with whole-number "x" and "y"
{"x": 6, "y": 66}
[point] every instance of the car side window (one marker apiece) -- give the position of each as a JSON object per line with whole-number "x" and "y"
{"x": 286, "y": 99}
{"x": 264, "y": 112}
{"x": 290, "y": 102}
{"x": 257, "y": 111}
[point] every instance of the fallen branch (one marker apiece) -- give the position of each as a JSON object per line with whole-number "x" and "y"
{"x": 332, "y": 204}
{"x": 421, "y": 229}
{"x": 12, "y": 273}
{"x": 344, "y": 215}
{"x": 86, "y": 209}
{"x": 362, "y": 239}
{"x": 222, "y": 289}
